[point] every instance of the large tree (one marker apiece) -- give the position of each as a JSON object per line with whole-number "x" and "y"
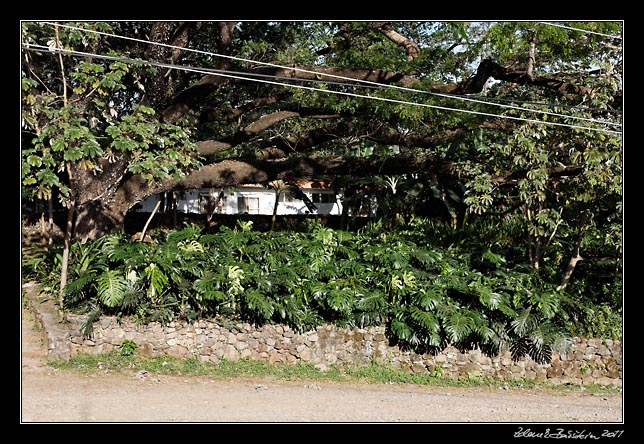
{"x": 521, "y": 114}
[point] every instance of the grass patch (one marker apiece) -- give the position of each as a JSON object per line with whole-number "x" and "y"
{"x": 115, "y": 362}
{"x": 374, "y": 373}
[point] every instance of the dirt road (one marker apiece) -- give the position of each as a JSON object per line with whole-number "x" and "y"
{"x": 49, "y": 395}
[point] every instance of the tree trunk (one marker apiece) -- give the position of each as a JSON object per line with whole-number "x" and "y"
{"x": 576, "y": 257}
{"x": 65, "y": 260}
{"x": 49, "y": 230}
{"x": 94, "y": 219}
{"x": 565, "y": 280}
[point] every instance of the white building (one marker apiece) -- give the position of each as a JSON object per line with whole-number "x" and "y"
{"x": 257, "y": 199}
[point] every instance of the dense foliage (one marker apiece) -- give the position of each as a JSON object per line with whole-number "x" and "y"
{"x": 427, "y": 295}
{"x": 494, "y": 149}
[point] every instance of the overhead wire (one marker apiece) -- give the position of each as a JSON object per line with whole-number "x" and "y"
{"x": 376, "y": 84}
{"x": 248, "y": 76}
{"x": 227, "y": 75}
{"x": 362, "y": 81}
{"x": 585, "y": 31}
{"x": 557, "y": 105}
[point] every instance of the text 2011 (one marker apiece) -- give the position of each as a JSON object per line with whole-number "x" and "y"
{"x": 612, "y": 433}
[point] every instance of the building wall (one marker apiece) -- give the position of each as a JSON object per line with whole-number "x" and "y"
{"x": 191, "y": 201}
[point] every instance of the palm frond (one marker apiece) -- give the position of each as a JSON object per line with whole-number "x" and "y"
{"x": 86, "y": 328}
{"x": 83, "y": 280}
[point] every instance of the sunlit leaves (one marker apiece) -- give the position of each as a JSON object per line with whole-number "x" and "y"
{"x": 91, "y": 148}
{"x": 235, "y": 276}
{"x": 422, "y": 307}
{"x": 111, "y": 287}
{"x": 192, "y": 246}
{"x": 158, "y": 280}
{"x": 58, "y": 144}
{"x": 479, "y": 194}
{"x": 95, "y": 125}
{"x": 458, "y": 325}
{"x": 523, "y": 322}
{"x": 34, "y": 160}
{"x": 47, "y": 178}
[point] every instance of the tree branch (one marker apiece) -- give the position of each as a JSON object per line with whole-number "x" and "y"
{"x": 410, "y": 46}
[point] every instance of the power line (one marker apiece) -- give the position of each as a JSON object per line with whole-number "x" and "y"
{"x": 577, "y": 107}
{"x": 245, "y": 77}
{"x": 582, "y": 30}
{"x": 378, "y": 85}
{"x": 207, "y": 71}
{"x": 367, "y": 82}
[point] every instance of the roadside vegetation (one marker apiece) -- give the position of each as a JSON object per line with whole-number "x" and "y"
{"x": 426, "y": 287}
{"x": 116, "y": 362}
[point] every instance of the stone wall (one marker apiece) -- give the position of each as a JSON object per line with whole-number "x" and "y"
{"x": 590, "y": 361}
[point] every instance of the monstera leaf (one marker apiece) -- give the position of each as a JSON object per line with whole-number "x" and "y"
{"x": 112, "y": 286}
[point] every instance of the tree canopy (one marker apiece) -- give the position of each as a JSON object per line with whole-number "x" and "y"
{"x": 131, "y": 109}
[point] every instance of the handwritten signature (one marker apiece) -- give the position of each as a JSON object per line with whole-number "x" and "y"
{"x": 567, "y": 434}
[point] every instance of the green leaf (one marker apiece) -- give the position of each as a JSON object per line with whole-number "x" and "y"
{"x": 123, "y": 144}
{"x": 74, "y": 133}
{"x": 91, "y": 148}
{"x": 371, "y": 301}
{"x": 340, "y": 299}
{"x": 58, "y": 144}
{"x": 158, "y": 279}
{"x": 145, "y": 110}
{"x": 73, "y": 154}
{"x": 111, "y": 287}
{"x": 401, "y": 329}
{"x": 458, "y": 325}
{"x": 48, "y": 178}
{"x": 491, "y": 299}
{"x": 259, "y": 303}
{"x": 425, "y": 319}
{"x": 35, "y": 161}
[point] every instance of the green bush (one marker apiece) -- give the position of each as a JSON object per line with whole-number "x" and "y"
{"x": 426, "y": 296}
